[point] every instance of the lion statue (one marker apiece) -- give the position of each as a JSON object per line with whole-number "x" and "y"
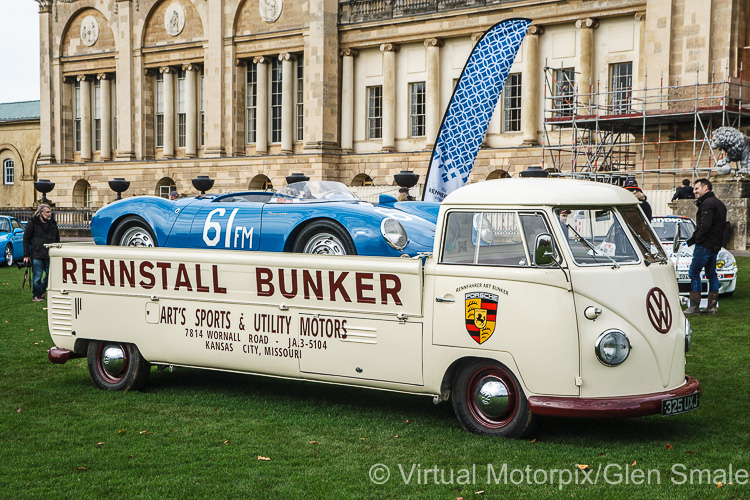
{"x": 736, "y": 145}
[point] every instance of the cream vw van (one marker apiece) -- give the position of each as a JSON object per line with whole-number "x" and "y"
{"x": 541, "y": 297}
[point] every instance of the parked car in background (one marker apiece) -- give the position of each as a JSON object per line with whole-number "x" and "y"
{"x": 11, "y": 240}
{"x": 317, "y": 217}
{"x": 726, "y": 265}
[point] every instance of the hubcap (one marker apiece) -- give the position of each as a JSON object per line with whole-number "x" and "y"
{"x": 492, "y": 397}
{"x": 136, "y": 237}
{"x": 325, "y": 244}
{"x": 112, "y": 360}
{"x": 8, "y": 255}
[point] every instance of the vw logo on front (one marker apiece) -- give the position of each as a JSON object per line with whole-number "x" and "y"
{"x": 658, "y": 309}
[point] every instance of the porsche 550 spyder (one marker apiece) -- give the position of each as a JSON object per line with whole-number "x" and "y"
{"x": 666, "y": 226}
{"x": 319, "y": 217}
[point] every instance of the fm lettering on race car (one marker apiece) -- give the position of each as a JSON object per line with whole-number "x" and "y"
{"x": 237, "y": 237}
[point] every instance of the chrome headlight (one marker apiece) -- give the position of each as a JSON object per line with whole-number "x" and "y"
{"x": 688, "y": 335}
{"x": 394, "y": 233}
{"x": 724, "y": 259}
{"x": 612, "y": 347}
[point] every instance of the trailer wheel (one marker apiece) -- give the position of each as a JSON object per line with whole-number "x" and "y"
{"x": 325, "y": 238}
{"x": 133, "y": 232}
{"x": 488, "y": 399}
{"x": 116, "y": 366}
{"x": 9, "y": 255}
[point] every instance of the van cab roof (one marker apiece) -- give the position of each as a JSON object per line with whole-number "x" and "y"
{"x": 545, "y": 192}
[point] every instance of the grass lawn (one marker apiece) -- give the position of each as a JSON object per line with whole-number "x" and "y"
{"x": 196, "y": 433}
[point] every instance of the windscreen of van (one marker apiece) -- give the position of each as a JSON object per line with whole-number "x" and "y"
{"x": 645, "y": 238}
{"x": 595, "y": 236}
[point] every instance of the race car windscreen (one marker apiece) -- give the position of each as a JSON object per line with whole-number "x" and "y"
{"x": 665, "y": 228}
{"x": 313, "y": 191}
{"x": 595, "y": 236}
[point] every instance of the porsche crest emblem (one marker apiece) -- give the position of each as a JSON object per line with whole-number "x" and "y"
{"x": 481, "y": 311}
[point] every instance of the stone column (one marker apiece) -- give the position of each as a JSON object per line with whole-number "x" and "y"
{"x": 191, "y": 110}
{"x": 432, "y": 111}
{"x": 389, "y": 96}
{"x": 46, "y": 115}
{"x": 347, "y": 100}
{"x": 85, "y": 117}
{"x": 261, "y": 106}
{"x": 169, "y": 117}
{"x": 585, "y": 63}
{"x": 322, "y": 78}
{"x": 287, "y": 102}
{"x": 105, "y": 83}
{"x": 124, "y": 65}
{"x": 530, "y": 95}
{"x": 213, "y": 89}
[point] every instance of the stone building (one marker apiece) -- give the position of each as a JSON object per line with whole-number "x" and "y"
{"x": 246, "y": 91}
{"x": 19, "y": 151}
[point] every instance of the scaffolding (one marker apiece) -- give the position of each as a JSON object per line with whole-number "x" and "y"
{"x": 658, "y": 135}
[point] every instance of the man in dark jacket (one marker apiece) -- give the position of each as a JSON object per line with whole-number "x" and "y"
{"x": 711, "y": 219}
{"x": 685, "y": 192}
{"x": 41, "y": 229}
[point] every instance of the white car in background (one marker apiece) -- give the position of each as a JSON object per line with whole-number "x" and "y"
{"x": 726, "y": 265}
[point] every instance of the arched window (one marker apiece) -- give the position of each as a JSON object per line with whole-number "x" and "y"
{"x": 362, "y": 180}
{"x": 82, "y": 194}
{"x": 260, "y": 183}
{"x": 498, "y": 174}
{"x": 164, "y": 187}
{"x": 9, "y": 172}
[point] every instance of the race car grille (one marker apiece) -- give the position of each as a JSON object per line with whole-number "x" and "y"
{"x": 61, "y": 315}
{"x": 685, "y": 287}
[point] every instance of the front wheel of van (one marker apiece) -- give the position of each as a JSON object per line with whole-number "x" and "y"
{"x": 488, "y": 399}
{"x": 117, "y": 366}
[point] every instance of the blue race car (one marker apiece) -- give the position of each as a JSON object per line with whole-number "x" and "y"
{"x": 320, "y": 217}
{"x": 11, "y": 240}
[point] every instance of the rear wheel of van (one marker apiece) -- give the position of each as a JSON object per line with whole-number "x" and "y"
{"x": 488, "y": 399}
{"x": 117, "y": 366}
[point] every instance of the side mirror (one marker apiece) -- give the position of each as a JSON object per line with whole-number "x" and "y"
{"x": 676, "y": 242}
{"x": 17, "y": 230}
{"x": 543, "y": 250}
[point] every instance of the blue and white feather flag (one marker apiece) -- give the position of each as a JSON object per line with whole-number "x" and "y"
{"x": 471, "y": 108}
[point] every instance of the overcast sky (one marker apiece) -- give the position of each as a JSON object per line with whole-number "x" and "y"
{"x": 19, "y": 50}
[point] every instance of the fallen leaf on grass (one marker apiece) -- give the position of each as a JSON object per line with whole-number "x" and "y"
{"x": 533, "y": 440}
{"x": 99, "y": 444}
{"x": 583, "y": 466}
{"x": 314, "y": 442}
{"x": 31, "y": 329}
{"x": 80, "y": 468}
{"x": 6, "y": 320}
{"x": 226, "y": 441}
{"x": 480, "y": 492}
{"x": 121, "y": 431}
{"x": 668, "y": 446}
{"x": 145, "y": 432}
{"x": 396, "y": 436}
{"x": 19, "y": 410}
{"x": 362, "y": 439}
{"x": 633, "y": 462}
{"x": 407, "y": 421}
{"x": 265, "y": 459}
{"x": 719, "y": 485}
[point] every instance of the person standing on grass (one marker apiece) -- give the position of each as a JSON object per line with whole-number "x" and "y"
{"x": 41, "y": 229}
{"x": 710, "y": 219}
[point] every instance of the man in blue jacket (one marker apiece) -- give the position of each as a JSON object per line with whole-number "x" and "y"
{"x": 710, "y": 219}
{"x": 41, "y": 229}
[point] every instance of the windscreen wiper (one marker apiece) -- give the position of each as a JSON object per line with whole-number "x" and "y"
{"x": 592, "y": 248}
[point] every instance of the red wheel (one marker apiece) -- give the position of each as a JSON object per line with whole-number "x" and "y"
{"x": 488, "y": 399}
{"x": 116, "y": 366}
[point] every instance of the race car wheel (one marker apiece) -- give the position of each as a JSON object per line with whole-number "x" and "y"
{"x": 9, "y": 255}
{"x": 134, "y": 232}
{"x": 324, "y": 238}
{"x": 116, "y": 366}
{"x": 488, "y": 399}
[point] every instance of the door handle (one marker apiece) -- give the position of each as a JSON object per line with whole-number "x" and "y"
{"x": 441, "y": 299}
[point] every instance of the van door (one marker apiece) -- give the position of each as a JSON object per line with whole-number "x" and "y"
{"x": 491, "y": 297}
